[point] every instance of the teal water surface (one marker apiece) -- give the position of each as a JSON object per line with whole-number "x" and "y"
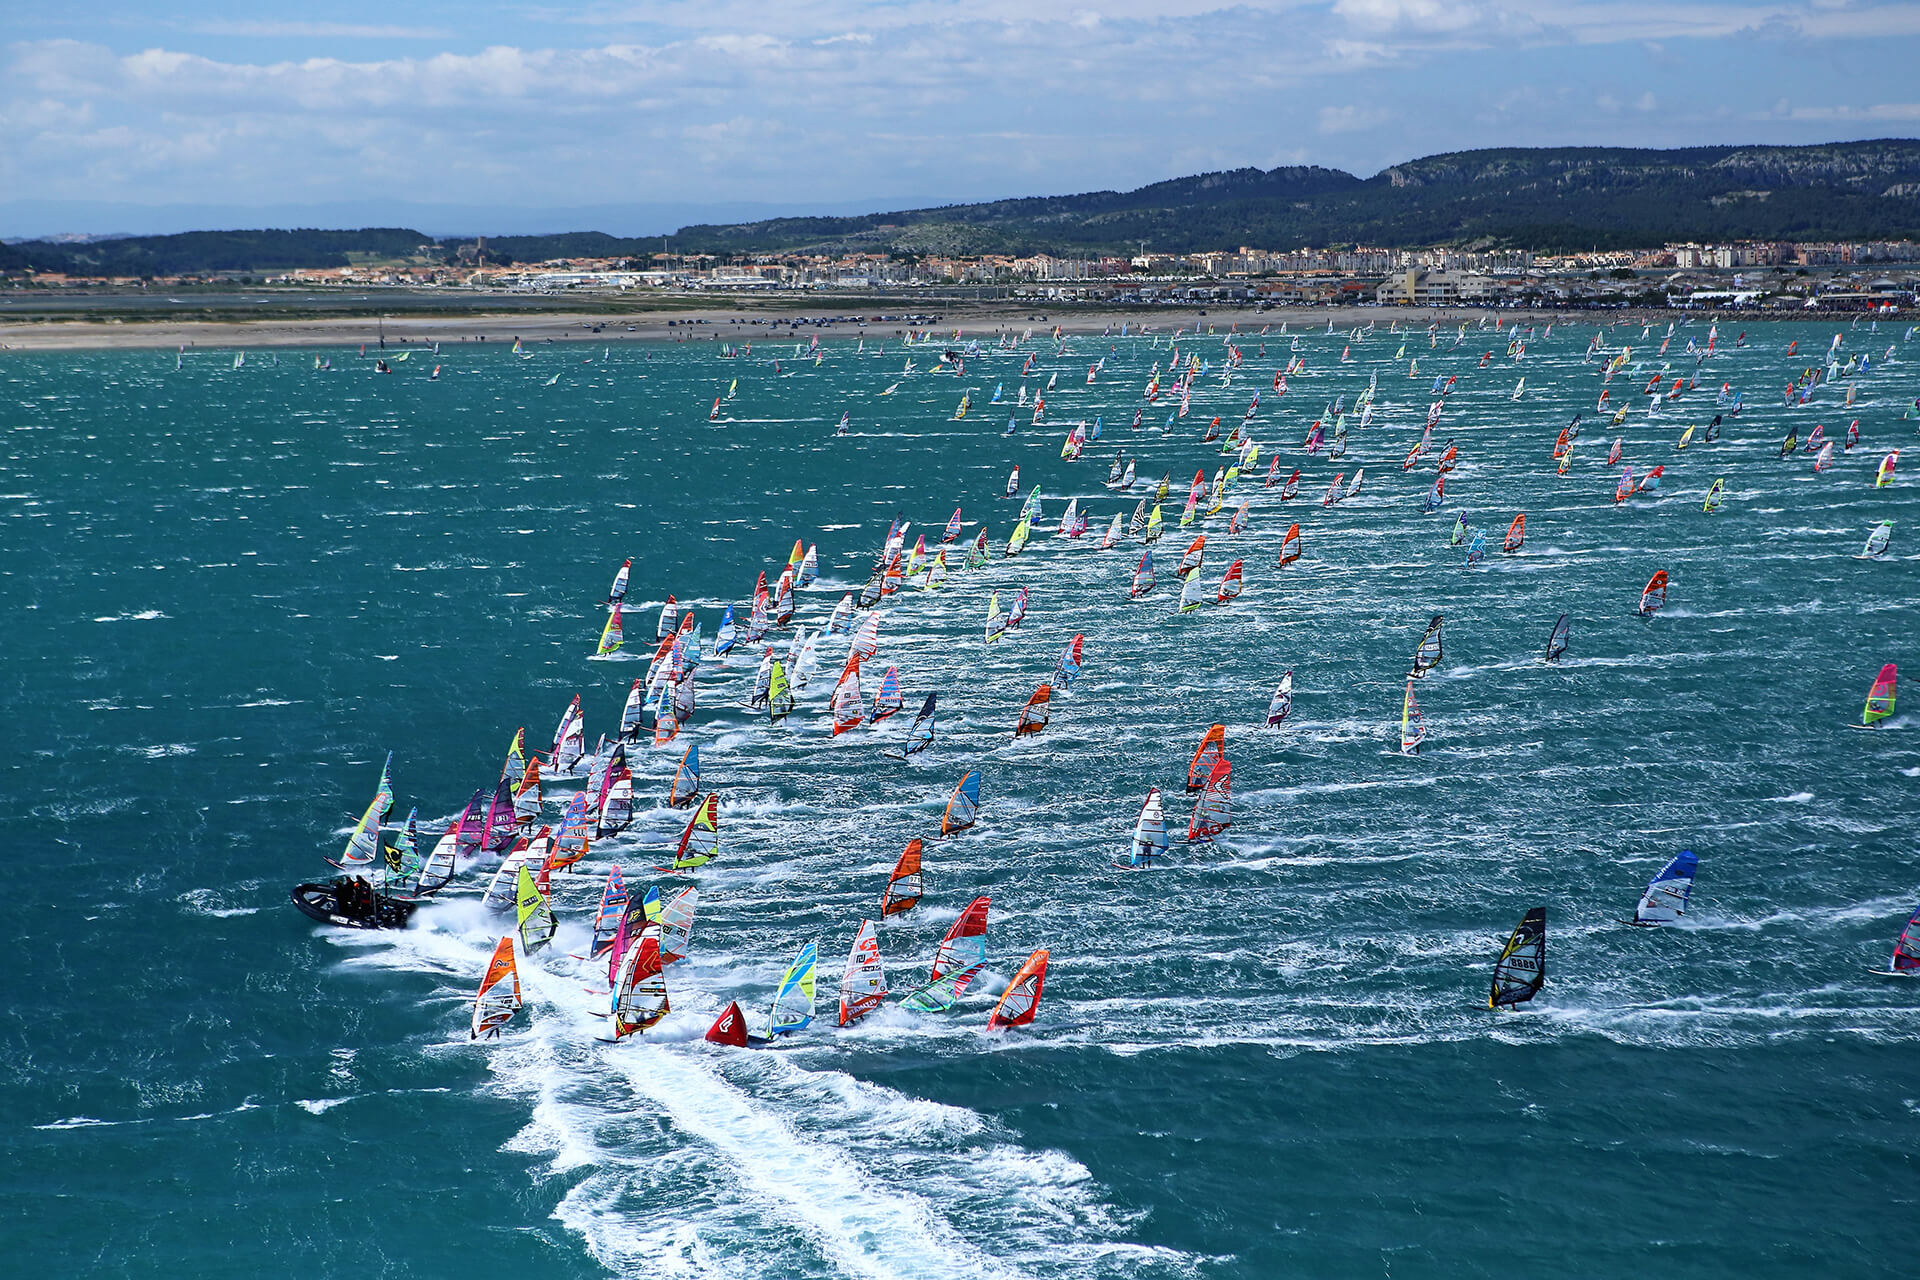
{"x": 231, "y": 591}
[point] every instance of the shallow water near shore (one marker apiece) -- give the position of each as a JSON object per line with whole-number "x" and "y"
{"x": 231, "y": 591}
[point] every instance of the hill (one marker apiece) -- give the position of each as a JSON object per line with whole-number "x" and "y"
{"x": 1545, "y": 199}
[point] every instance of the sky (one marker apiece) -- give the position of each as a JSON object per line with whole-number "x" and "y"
{"x": 485, "y": 115}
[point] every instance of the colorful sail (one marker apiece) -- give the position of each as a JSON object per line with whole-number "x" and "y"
{"x": 779, "y": 692}
{"x": 675, "y": 918}
{"x": 1212, "y": 750}
{"x": 849, "y": 703}
{"x": 533, "y": 912}
{"x": 963, "y": 806}
{"x": 1210, "y": 815}
{"x": 1278, "y": 708}
{"x": 1906, "y": 949}
{"x": 943, "y": 992}
{"x": 1427, "y": 656}
{"x": 965, "y": 942}
{"x": 608, "y": 915}
{"x": 1038, "y": 711}
{"x": 1192, "y": 593}
{"x": 904, "y": 886}
{"x": 1880, "y": 697}
{"x": 700, "y": 842}
{"x": 570, "y": 844}
{"x": 1067, "y": 669}
{"x": 1231, "y": 584}
{"x": 499, "y": 995}
{"x": 793, "y": 1000}
{"x": 1413, "y": 726}
{"x": 686, "y": 779}
{"x": 886, "y": 699}
{"x": 1877, "y": 541}
{"x": 863, "y": 983}
{"x": 1516, "y": 534}
{"x": 1021, "y": 1000}
{"x": 1654, "y": 595}
{"x": 1290, "y": 545}
{"x": 1143, "y": 577}
{"x": 610, "y": 638}
{"x": 1521, "y": 970}
{"x": 640, "y": 990}
{"x": 363, "y": 846}
{"x": 1884, "y": 476}
{"x": 618, "y": 592}
{"x": 1667, "y": 893}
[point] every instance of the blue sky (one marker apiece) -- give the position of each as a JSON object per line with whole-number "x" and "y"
{"x": 672, "y": 108}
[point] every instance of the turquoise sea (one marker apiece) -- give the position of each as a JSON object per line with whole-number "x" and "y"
{"x": 230, "y": 592}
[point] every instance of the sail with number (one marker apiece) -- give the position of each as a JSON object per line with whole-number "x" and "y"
{"x": 1521, "y": 970}
{"x": 1210, "y": 816}
{"x": 849, "y": 703}
{"x": 863, "y": 983}
{"x": 1290, "y": 545}
{"x": 676, "y": 924}
{"x": 533, "y": 912}
{"x": 963, "y": 806}
{"x": 1212, "y": 749}
{"x": 904, "y": 885}
{"x": 1667, "y": 893}
{"x": 1231, "y": 583}
{"x": 1021, "y": 1000}
{"x": 1516, "y": 534}
{"x": 499, "y": 995}
{"x": 1427, "y": 656}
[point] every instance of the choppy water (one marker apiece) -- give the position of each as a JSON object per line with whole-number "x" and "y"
{"x": 230, "y": 592}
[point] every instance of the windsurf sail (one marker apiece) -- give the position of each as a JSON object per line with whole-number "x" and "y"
{"x": 886, "y": 699}
{"x": 779, "y": 693}
{"x": 1192, "y": 593}
{"x": 963, "y": 806}
{"x": 1877, "y": 541}
{"x": 943, "y": 992}
{"x": 904, "y": 886}
{"x": 533, "y": 912}
{"x": 1021, "y": 1000}
{"x": 1413, "y": 726}
{"x": 920, "y": 732}
{"x": 1557, "y": 639}
{"x": 1884, "y": 476}
{"x": 1277, "y": 709}
{"x": 640, "y": 990}
{"x": 1880, "y": 697}
{"x": 610, "y": 638}
{"x": 1906, "y": 949}
{"x": 1654, "y": 596}
{"x": 363, "y": 846}
{"x": 1521, "y": 970}
{"x": 849, "y": 703}
{"x": 1427, "y": 656}
{"x": 1196, "y": 554}
{"x": 676, "y": 924}
{"x": 499, "y": 995}
{"x": 1143, "y": 577}
{"x": 1039, "y": 710}
{"x": 570, "y": 845}
{"x": 1212, "y": 750}
{"x": 700, "y": 842}
{"x": 1067, "y": 670}
{"x": 1231, "y": 583}
{"x": 686, "y": 780}
{"x": 863, "y": 983}
{"x": 1290, "y": 545}
{"x": 1210, "y": 816}
{"x": 1149, "y": 832}
{"x": 794, "y": 998}
{"x": 1667, "y": 893}
{"x": 1714, "y": 496}
{"x": 608, "y": 915}
{"x": 1516, "y": 534}
{"x": 669, "y": 619}
{"x": 965, "y": 942}
{"x": 618, "y": 591}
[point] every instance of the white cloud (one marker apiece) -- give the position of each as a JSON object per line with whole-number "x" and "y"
{"x": 1879, "y": 111}
{"x": 1411, "y": 15}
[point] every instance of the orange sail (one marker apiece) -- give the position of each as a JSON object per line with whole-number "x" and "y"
{"x": 1021, "y": 1000}
{"x": 1516, "y": 533}
{"x": 1290, "y": 545}
{"x": 1038, "y": 711}
{"x": 1230, "y": 584}
{"x": 499, "y": 993}
{"x": 903, "y": 886}
{"x": 1212, "y": 749}
{"x": 1655, "y": 594}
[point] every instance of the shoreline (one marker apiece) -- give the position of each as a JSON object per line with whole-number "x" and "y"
{"x": 974, "y": 319}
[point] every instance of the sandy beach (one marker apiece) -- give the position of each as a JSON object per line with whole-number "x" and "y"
{"x": 718, "y": 324}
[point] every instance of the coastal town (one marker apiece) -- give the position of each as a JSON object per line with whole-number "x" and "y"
{"x": 1775, "y": 276}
